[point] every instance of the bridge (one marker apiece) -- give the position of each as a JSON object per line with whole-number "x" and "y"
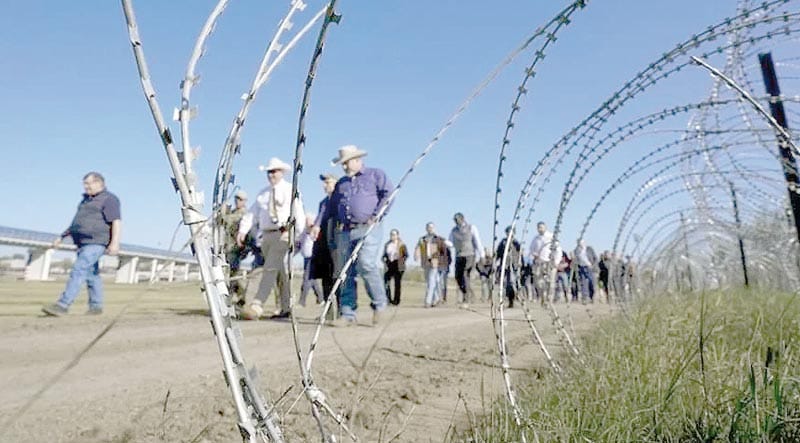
{"x": 40, "y": 246}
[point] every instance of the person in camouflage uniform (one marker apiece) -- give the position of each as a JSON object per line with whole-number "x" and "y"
{"x": 234, "y": 253}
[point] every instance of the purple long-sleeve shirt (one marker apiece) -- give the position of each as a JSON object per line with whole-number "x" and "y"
{"x": 356, "y": 199}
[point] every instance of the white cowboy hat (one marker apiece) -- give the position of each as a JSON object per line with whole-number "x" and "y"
{"x": 348, "y": 152}
{"x": 274, "y": 164}
{"x": 240, "y": 194}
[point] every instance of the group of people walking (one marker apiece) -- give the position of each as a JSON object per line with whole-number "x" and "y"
{"x": 350, "y": 213}
{"x": 530, "y": 275}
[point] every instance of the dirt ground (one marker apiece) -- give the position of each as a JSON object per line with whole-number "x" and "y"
{"x": 157, "y": 376}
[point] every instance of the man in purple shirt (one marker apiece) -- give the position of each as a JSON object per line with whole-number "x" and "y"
{"x": 352, "y": 208}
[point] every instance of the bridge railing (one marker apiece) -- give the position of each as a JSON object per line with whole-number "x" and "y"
{"x": 40, "y": 247}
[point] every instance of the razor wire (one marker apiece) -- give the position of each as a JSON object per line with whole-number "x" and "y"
{"x": 632, "y": 227}
{"x": 563, "y": 16}
{"x": 185, "y": 182}
{"x": 313, "y": 394}
{"x": 232, "y": 145}
{"x": 643, "y": 80}
{"x": 640, "y": 165}
{"x": 253, "y": 417}
{"x": 638, "y": 84}
{"x": 498, "y": 318}
{"x": 572, "y": 183}
{"x": 568, "y": 192}
{"x": 655, "y": 227}
{"x": 652, "y": 186}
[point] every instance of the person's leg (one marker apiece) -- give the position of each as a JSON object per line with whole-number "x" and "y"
{"x": 583, "y": 282}
{"x": 461, "y": 264}
{"x": 561, "y": 288}
{"x": 85, "y": 262}
{"x": 469, "y": 296}
{"x": 398, "y": 278}
{"x": 386, "y": 277}
{"x": 273, "y": 261}
{"x": 431, "y": 286}
{"x": 282, "y": 277}
{"x": 317, "y": 290}
{"x": 367, "y": 268}
{"x": 94, "y": 286}
{"x": 508, "y": 288}
{"x": 307, "y": 282}
{"x": 347, "y": 290}
{"x": 327, "y": 287}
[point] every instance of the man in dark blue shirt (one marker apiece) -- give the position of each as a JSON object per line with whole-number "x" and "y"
{"x": 352, "y": 208}
{"x": 95, "y": 230}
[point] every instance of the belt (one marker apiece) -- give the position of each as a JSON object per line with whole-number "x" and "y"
{"x": 349, "y": 226}
{"x": 280, "y": 229}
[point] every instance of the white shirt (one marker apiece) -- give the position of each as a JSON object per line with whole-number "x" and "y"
{"x": 391, "y": 251}
{"x": 263, "y": 208}
{"x": 582, "y": 257}
{"x": 540, "y": 249}
{"x": 306, "y": 244}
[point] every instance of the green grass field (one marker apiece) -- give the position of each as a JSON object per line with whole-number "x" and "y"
{"x": 27, "y": 298}
{"x": 715, "y": 367}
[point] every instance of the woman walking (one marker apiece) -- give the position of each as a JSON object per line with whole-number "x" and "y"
{"x": 395, "y": 254}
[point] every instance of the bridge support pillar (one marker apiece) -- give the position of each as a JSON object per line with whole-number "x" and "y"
{"x": 171, "y": 272}
{"x": 154, "y": 270}
{"x": 126, "y": 273}
{"x": 38, "y": 267}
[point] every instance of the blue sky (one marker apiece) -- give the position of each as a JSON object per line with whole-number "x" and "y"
{"x": 391, "y": 74}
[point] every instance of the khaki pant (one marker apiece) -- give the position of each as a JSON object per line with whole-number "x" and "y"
{"x": 541, "y": 280}
{"x": 274, "y": 247}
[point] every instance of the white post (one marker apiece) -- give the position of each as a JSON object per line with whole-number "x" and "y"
{"x": 186, "y": 272}
{"x": 171, "y": 272}
{"x": 38, "y": 267}
{"x": 153, "y": 269}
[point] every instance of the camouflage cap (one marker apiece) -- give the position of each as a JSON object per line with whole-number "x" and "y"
{"x": 328, "y": 178}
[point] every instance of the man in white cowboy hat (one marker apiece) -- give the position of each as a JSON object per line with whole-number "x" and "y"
{"x": 270, "y": 213}
{"x": 353, "y": 207}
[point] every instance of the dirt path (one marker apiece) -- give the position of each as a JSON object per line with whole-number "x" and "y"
{"x": 156, "y": 376}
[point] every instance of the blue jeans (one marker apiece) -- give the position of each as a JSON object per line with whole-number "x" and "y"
{"x": 85, "y": 269}
{"x": 562, "y": 285}
{"x": 586, "y": 279}
{"x": 432, "y": 288}
{"x": 366, "y": 265}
